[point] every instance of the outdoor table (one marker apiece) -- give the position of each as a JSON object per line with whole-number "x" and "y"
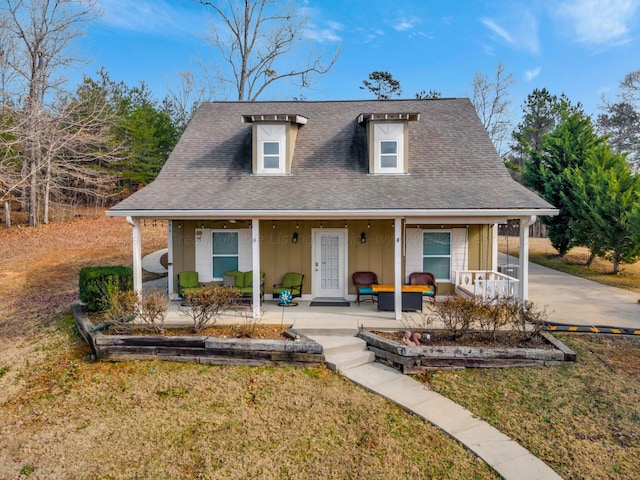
{"x": 411, "y": 297}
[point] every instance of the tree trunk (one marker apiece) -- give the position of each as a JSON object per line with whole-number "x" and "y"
{"x": 46, "y": 194}
{"x": 33, "y": 193}
{"x": 616, "y": 262}
{"x": 7, "y": 214}
{"x": 592, "y": 256}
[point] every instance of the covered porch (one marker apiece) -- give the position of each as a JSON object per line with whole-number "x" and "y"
{"x": 381, "y": 244}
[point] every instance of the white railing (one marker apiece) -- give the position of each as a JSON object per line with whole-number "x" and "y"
{"x": 486, "y": 284}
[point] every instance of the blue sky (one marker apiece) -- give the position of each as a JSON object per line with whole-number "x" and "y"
{"x": 580, "y": 47}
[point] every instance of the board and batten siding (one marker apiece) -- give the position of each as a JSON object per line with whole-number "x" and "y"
{"x": 204, "y": 258}
{"x": 459, "y": 250}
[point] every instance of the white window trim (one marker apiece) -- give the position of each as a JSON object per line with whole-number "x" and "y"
{"x": 450, "y": 256}
{"x": 213, "y": 255}
{"x": 281, "y": 163}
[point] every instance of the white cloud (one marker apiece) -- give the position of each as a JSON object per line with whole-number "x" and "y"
{"x": 521, "y": 35}
{"x": 601, "y": 23}
{"x": 498, "y": 30}
{"x": 531, "y": 74}
{"x": 149, "y": 16}
{"x": 317, "y": 34}
{"x": 404, "y": 24}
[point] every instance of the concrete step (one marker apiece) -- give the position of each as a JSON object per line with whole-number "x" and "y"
{"x": 334, "y": 345}
{"x": 344, "y": 361}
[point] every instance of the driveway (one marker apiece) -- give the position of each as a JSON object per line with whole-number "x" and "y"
{"x": 577, "y": 301}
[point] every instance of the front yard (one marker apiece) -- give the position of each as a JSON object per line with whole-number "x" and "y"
{"x": 62, "y": 416}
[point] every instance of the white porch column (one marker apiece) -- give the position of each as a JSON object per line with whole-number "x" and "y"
{"x": 494, "y": 250}
{"x": 255, "y": 256}
{"x": 523, "y": 284}
{"x": 137, "y": 253}
{"x": 398, "y": 268}
{"x": 170, "y": 260}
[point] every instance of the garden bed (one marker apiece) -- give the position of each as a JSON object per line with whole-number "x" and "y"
{"x": 295, "y": 350}
{"x": 418, "y": 359}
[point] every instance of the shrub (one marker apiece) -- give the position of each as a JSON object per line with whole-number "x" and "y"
{"x": 495, "y": 315}
{"x": 97, "y": 284}
{"x": 456, "y": 314}
{"x": 153, "y": 309}
{"x": 531, "y": 319}
{"x": 207, "y": 304}
{"x": 123, "y": 307}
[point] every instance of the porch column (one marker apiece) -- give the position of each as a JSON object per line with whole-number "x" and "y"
{"x": 494, "y": 250}
{"x": 170, "y": 260}
{"x": 137, "y": 253}
{"x": 398, "y": 268}
{"x": 255, "y": 256}
{"x": 523, "y": 284}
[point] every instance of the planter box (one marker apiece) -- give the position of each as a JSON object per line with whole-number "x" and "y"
{"x": 423, "y": 358}
{"x": 199, "y": 349}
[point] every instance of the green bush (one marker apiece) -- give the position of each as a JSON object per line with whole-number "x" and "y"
{"x": 97, "y": 284}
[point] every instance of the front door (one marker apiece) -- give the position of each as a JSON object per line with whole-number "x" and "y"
{"x": 329, "y": 263}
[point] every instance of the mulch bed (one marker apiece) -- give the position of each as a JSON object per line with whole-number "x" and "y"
{"x": 472, "y": 339}
{"x": 265, "y": 332}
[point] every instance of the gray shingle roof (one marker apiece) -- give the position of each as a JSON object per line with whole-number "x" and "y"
{"x": 452, "y": 163}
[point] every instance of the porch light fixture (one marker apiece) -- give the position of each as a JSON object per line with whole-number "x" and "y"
{"x": 273, "y": 224}
{"x": 297, "y": 224}
{"x": 345, "y": 224}
{"x": 368, "y": 224}
{"x": 363, "y": 238}
{"x": 198, "y": 234}
{"x": 225, "y": 225}
{"x": 294, "y": 239}
{"x": 321, "y": 226}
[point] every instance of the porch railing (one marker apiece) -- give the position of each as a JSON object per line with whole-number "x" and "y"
{"x": 486, "y": 284}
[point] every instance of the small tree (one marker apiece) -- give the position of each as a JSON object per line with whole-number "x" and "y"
{"x": 382, "y": 85}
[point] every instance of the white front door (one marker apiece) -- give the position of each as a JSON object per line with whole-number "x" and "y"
{"x": 329, "y": 263}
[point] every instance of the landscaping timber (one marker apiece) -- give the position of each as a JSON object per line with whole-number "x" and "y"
{"x": 299, "y": 350}
{"x": 418, "y": 359}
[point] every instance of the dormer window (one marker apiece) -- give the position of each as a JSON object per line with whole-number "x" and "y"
{"x": 271, "y": 155}
{"x": 274, "y": 138}
{"x": 388, "y": 140}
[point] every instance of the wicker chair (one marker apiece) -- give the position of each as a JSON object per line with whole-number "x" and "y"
{"x": 363, "y": 282}
{"x": 425, "y": 278}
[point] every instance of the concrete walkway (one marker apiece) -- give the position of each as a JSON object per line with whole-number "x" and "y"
{"x": 151, "y": 263}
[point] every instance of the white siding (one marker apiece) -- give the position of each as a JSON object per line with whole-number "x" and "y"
{"x": 245, "y": 253}
{"x": 413, "y": 255}
{"x": 459, "y": 251}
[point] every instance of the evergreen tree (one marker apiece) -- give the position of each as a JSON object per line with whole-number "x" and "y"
{"x": 604, "y": 200}
{"x": 564, "y": 148}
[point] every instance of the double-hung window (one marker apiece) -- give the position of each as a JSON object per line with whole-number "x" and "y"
{"x": 436, "y": 254}
{"x": 389, "y": 154}
{"x": 271, "y": 156}
{"x": 224, "y": 253}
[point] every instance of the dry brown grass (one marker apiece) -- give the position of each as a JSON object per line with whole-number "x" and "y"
{"x": 574, "y": 263}
{"x": 582, "y": 419}
{"x": 62, "y": 416}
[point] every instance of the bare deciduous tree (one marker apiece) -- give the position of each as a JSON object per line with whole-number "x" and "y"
{"x": 490, "y": 99}
{"x": 258, "y": 43}
{"x": 42, "y": 32}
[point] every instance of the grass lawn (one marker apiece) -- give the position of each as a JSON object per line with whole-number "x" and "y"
{"x": 62, "y": 416}
{"x": 574, "y": 263}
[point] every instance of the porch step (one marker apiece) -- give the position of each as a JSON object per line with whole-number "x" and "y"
{"x": 344, "y": 352}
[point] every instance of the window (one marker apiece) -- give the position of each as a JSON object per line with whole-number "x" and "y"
{"x": 271, "y": 155}
{"x": 389, "y": 154}
{"x": 388, "y": 150}
{"x": 271, "y": 145}
{"x": 224, "y": 252}
{"x": 436, "y": 254}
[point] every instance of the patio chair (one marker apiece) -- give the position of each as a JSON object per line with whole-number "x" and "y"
{"x": 425, "y": 278}
{"x": 292, "y": 282}
{"x": 363, "y": 282}
{"x": 187, "y": 281}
